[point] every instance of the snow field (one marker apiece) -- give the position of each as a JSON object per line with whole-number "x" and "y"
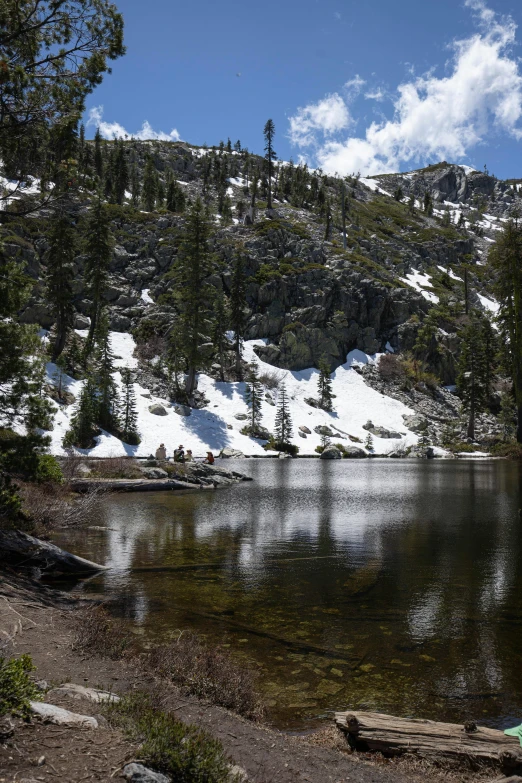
{"x": 207, "y": 429}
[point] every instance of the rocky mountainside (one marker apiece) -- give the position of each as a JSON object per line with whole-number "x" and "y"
{"x": 307, "y": 295}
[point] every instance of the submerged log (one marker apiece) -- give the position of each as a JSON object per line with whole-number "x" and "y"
{"x": 23, "y": 551}
{"x": 132, "y": 485}
{"x": 437, "y": 741}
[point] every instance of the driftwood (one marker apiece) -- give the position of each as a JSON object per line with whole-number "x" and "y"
{"x": 438, "y": 741}
{"x": 132, "y": 485}
{"x": 23, "y": 551}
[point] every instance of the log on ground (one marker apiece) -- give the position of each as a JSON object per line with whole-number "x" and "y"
{"x": 452, "y": 742}
{"x": 132, "y": 485}
{"x": 20, "y": 550}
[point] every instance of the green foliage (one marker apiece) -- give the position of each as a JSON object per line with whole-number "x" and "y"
{"x": 283, "y": 420}
{"x": 254, "y": 395}
{"x": 176, "y": 200}
{"x": 98, "y": 248}
{"x": 238, "y": 305}
{"x": 48, "y": 470}
{"x": 128, "y": 412}
{"x": 150, "y": 185}
{"x": 266, "y": 273}
{"x": 368, "y": 443}
{"x": 508, "y": 416}
{"x": 472, "y": 380}
{"x": 59, "y": 278}
{"x": 180, "y": 750}
{"x": 83, "y": 423}
{"x": 10, "y": 502}
{"x": 106, "y": 391}
{"x": 16, "y": 687}
{"x": 324, "y": 386}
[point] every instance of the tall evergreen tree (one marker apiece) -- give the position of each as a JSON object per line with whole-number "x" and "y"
{"x": 83, "y": 423}
{"x": 471, "y": 379}
{"x": 107, "y": 392}
{"x": 219, "y": 326}
{"x": 506, "y": 258}
{"x": 98, "y": 154}
{"x": 98, "y": 247}
{"x": 324, "y": 386}
{"x": 254, "y": 396}
{"x": 120, "y": 173}
{"x": 283, "y": 421}
{"x": 238, "y": 311}
{"x": 60, "y": 256}
{"x": 194, "y": 294}
{"x": 270, "y": 156}
{"x": 150, "y": 186}
{"x": 135, "y": 186}
{"x": 129, "y": 413}
{"x": 175, "y": 196}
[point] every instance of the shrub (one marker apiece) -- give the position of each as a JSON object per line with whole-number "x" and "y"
{"x": 208, "y": 673}
{"x": 286, "y": 448}
{"x": 511, "y": 450}
{"x": 48, "y": 470}
{"x": 16, "y": 687}
{"x": 390, "y": 367}
{"x": 98, "y": 634}
{"x": 271, "y": 379}
{"x": 293, "y": 327}
{"x": 182, "y": 751}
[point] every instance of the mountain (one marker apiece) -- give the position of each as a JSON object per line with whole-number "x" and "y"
{"x": 416, "y": 243}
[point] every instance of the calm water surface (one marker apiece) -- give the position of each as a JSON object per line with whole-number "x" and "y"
{"x": 386, "y": 585}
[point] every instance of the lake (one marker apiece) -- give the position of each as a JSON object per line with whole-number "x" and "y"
{"x": 389, "y": 585}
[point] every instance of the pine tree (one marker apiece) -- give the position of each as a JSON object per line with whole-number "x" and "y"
{"x": 283, "y": 422}
{"x": 254, "y": 396}
{"x": 471, "y": 380}
{"x": 507, "y": 416}
{"x": 194, "y": 293}
{"x": 135, "y": 186}
{"x": 238, "y": 309}
{"x": 270, "y": 156}
{"x": 175, "y": 195}
{"x": 149, "y": 189}
{"x": 98, "y": 248}
{"x": 129, "y": 413}
{"x": 398, "y": 194}
{"x": 368, "y": 443}
{"x": 98, "y": 154}
{"x": 160, "y": 193}
{"x": 60, "y": 274}
{"x": 506, "y": 259}
{"x": 120, "y": 173}
{"x": 324, "y": 386}
{"x": 83, "y": 423}
{"x": 73, "y": 356}
{"x": 411, "y": 204}
{"x": 428, "y": 204}
{"x": 105, "y": 384}
{"x": 219, "y": 327}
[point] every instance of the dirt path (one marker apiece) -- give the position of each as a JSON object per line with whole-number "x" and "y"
{"x": 42, "y": 626}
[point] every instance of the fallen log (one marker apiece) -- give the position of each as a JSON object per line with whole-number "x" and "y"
{"x": 132, "y": 485}
{"x": 394, "y": 736}
{"x": 20, "y": 550}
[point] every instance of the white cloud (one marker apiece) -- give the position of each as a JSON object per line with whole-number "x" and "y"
{"x": 113, "y": 130}
{"x": 354, "y": 86}
{"x": 435, "y": 118}
{"x": 327, "y": 116}
{"x": 375, "y": 95}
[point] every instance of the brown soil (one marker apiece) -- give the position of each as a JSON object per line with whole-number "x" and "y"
{"x": 40, "y": 622}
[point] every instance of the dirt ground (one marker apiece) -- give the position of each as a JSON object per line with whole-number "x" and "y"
{"x": 40, "y": 623}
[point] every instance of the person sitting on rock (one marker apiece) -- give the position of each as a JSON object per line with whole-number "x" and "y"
{"x": 161, "y": 452}
{"x": 210, "y": 458}
{"x": 189, "y": 457}
{"x": 179, "y": 454}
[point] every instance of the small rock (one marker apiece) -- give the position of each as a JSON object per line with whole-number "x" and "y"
{"x": 228, "y": 452}
{"x": 182, "y": 410}
{"x": 146, "y": 395}
{"x": 241, "y": 416}
{"x": 6, "y": 728}
{"x": 83, "y": 470}
{"x": 157, "y": 409}
{"x": 324, "y": 430}
{"x": 81, "y": 321}
{"x": 238, "y": 774}
{"x": 331, "y": 453}
{"x": 304, "y": 429}
{"x": 52, "y": 714}
{"x": 74, "y": 691}
{"x": 301, "y": 434}
{"x": 229, "y": 427}
{"x": 137, "y": 773}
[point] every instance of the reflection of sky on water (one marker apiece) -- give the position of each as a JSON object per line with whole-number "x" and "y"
{"x": 412, "y": 558}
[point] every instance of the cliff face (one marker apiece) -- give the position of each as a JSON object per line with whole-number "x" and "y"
{"x": 307, "y": 295}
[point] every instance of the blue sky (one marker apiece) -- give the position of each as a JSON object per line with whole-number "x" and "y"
{"x": 351, "y": 85}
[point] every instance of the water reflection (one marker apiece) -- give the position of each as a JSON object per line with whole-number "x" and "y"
{"x": 380, "y": 584}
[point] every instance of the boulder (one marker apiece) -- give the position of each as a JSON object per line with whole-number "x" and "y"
{"x": 304, "y": 429}
{"x": 154, "y": 473}
{"x": 229, "y": 452}
{"x": 381, "y": 432}
{"x": 137, "y": 773}
{"x": 81, "y": 321}
{"x": 73, "y": 691}
{"x": 331, "y": 453}
{"x": 415, "y": 423}
{"x": 301, "y": 434}
{"x": 182, "y": 410}
{"x": 322, "y": 429}
{"x": 354, "y": 452}
{"x": 157, "y": 409}
{"x": 241, "y": 416}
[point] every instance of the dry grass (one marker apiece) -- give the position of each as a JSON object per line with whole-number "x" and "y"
{"x": 98, "y": 635}
{"x": 208, "y": 673}
{"x": 51, "y": 506}
{"x": 114, "y": 467}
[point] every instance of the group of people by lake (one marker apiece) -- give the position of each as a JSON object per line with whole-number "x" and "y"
{"x": 180, "y": 455}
